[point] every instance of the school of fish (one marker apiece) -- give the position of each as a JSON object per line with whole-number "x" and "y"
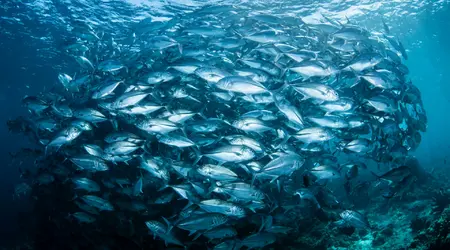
{"x": 247, "y": 118}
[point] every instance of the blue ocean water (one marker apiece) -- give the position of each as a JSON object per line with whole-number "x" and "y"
{"x": 33, "y": 31}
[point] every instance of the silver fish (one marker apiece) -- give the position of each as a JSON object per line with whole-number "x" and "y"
{"x": 314, "y": 135}
{"x": 86, "y": 184}
{"x": 317, "y": 91}
{"x": 218, "y": 173}
{"x": 231, "y": 153}
{"x": 222, "y": 207}
{"x": 97, "y": 202}
{"x": 241, "y": 85}
{"x": 89, "y": 163}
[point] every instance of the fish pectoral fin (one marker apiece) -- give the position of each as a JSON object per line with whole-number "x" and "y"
{"x": 255, "y": 175}
{"x": 220, "y": 163}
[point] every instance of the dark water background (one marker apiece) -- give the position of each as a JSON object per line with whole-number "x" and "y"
{"x": 23, "y": 71}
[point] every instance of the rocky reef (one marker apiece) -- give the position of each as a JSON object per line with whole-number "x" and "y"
{"x": 413, "y": 221}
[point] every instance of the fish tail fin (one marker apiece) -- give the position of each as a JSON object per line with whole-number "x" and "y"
{"x": 245, "y": 168}
{"x": 190, "y": 203}
{"x": 169, "y": 225}
{"x": 348, "y": 20}
{"x": 194, "y": 99}
{"x": 262, "y": 226}
{"x": 198, "y": 156}
{"x": 237, "y": 33}
{"x": 180, "y": 48}
{"x": 277, "y": 57}
{"x": 357, "y": 76}
{"x": 115, "y": 124}
{"x": 337, "y": 150}
{"x": 255, "y": 175}
{"x": 145, "y": 147}
{"x": 237, "y": 245}
{"x": 69, "y": 216}
{"x": 379, "y": 178}
{"x": 212, "y": 187}
{"x": 268, "y": 221}
{"x": 74, "y": 197}
{"x": 193, "y": 232}
{"x": 163, "y": 187}
{"x": 218, "y": 140}
{"x": 276, "y": 179}
{"x": 46, "y": 150}
{"x": 280, "y": 89}
{"x": 385, "y": 26}
{"x": 197, "y": 235}
{"x": 283, "y": 72}
{"x": 284, "y": 141}
{"x": 201, "y": 112}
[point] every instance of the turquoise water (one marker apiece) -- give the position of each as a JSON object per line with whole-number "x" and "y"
{"x": 33, "y": 32}
{"x": 429, "y": 70}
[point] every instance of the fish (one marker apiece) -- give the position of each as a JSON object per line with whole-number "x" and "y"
{"x": 97, "y": 202}
{"x": 221, "y": 232}
{"x": 258, "y": 240}
{"x": 230, "y": 153}
{"x": 106, "y": 89}
{"x": 64, "y": 79}
{"x": 160, "y": 230}
{"x": 240, "y": 190}
{"x": 313, "y": 69}
{"x": 222, "y": 207}
{"x": 243, "y": 140}
{"x": 329, "y": 121}
{"x": 325, "y": 172}
{"x": 129, "y": 99}
{"x": 316, "y": 91}
{"x": 359, "y": 146}
{"x": 282, "y": 166}
{"x": 90, "y": 115}
{"x": 314, "y": 135}
{"x": 86, "y": 184}
{"x": 84, "y": 62}
{"x": 354, "y": 219}
{"x": 210, "y": 74}
{"x": 120, "y": 148}
{"x": 159, "y": 77}
{"x": 64, "y": 137}
{"x": 290, "y": 111}
{"x": 306, "y": 194}
{"x": 250, "y": 124}
{"x": 175, "y": 140}
{"x": 89, "y": 163}
{"x": 110, "y": 65}
{"x": 137, "y": 189}
{"x": 154, "y": 167}
{"x": 83, "y": 217}
{"x": 200, "y": 222}
{"x": 241, "y": 85}
{"x": 122, "y": 136}
{"x": 158, "y": 126}
{"x": 218, "y": 173}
